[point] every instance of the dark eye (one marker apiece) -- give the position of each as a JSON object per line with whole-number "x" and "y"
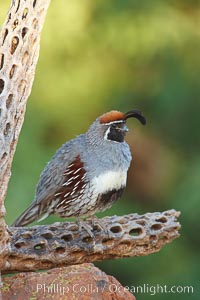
{"x": 117, "y": 126}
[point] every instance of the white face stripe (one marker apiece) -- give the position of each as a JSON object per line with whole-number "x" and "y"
{"x": 113, "y": 122}
{"x": 107, "y": 133}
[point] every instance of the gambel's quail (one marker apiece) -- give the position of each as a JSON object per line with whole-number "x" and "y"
{"x": 87, "y": 174}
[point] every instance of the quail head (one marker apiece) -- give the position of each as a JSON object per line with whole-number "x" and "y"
{"x": 87, "y": 174}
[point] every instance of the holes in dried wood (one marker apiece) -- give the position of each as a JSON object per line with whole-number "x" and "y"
{"x": 27, "y": 262}
{"x": 2, "y": 84}
{"x": 79, "y": 253}
{"x": 60, "y": 250}
{"x": 18, "y": 4}
{"x": 7, "y": 129}
{"x": 67, "y": 237}
{"x": 5, "y": 35}
{"x": 47, "y": 263}
{"x": 107, "y": 242}
{"x": 35, "y": 23}
{"x": 24, "y": 31}
{"x": 25, "y": 13}
{"x": 1, "y": 60}
{"x": 4, "y": 155}
{"x": 125, "y": 244}
{"x": 162, "y": 220}
{"x": 141, "y": 222}
{"x": 9, "y": 101}
{"x": 87, "y": 239}
{"x": 163, "y": 238}
{"x": 156, "y": 226}
{"x": 25, "y": 58}
{"x": 34, "y": 42}
{"x": 116, "y": 229}
{"x": 26, "y": 235}
{"x": 21, "y": 86}
{"x": 20, "y": 244}
{"x": 175, "y": 228}
{"x": 97, "y": 228}
{"x": 34, "y": 3}
{"x": 39, "y": 246}
{"x": 122, "y": 221}
{"x": 136, "y": 231}
{"x": 47, "y": 235}
{"x": 73, "y": 228}
{"x": 153, "y": 238}
{"x": 9, "y": 18}
{"x": 53, "y": 228}
{"x": 12, "y": 71}
{"x": 14, "y": 44}
{"x": 15, "y": 24}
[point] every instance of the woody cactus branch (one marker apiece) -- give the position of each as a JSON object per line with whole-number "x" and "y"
{"x": 19, "y": 51}
{"x": 20, "y": 40}
{"x": 62, "y": 244}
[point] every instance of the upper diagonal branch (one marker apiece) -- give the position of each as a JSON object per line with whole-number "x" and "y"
{"x": 19, "y": 51}
{"x": 61, "y": 244}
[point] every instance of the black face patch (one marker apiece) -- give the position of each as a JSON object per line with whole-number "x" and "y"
{"x": 116, "y": 132}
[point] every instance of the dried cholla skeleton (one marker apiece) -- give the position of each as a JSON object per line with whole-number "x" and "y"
{"x": 20, "y": 40}
{"x": 19, "y": 51}
{"x": 62, "y": 244}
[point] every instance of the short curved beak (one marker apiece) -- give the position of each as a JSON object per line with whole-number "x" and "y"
{"x": 125, "y": 128}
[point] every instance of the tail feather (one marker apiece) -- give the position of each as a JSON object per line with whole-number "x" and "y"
{"x": 31, "y": 214}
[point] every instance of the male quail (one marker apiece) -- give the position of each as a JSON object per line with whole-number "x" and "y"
{"x": 87, "y": 174}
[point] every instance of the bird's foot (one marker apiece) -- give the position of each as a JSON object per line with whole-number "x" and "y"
{"x": 98, "y": 225}
{"x": 86, "y": 227}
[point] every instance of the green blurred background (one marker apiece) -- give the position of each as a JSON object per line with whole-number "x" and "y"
{"x": 101, "y": 55}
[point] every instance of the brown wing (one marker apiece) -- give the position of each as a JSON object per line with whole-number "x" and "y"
{"x": 73, "y": 184}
